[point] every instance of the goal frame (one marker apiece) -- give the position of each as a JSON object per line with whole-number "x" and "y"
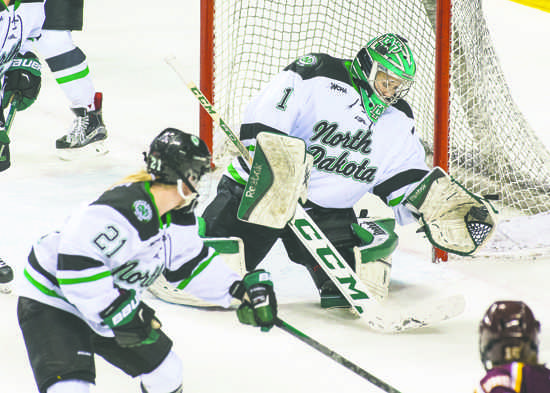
{"x": 441, "y": 94}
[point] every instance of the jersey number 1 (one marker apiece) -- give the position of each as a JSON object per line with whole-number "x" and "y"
{"x": 282, "y": 104}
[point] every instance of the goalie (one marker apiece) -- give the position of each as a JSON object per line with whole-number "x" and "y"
{"x": 344, "y": 126}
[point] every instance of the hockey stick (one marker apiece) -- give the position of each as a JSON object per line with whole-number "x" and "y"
{"x": 8, "y": 123}
{"x": 335, "y": 356}
{"x": 325, "y": 254}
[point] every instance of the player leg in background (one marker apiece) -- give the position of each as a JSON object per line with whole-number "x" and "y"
{"x": 6, "y": 277}
{"x": 70, "y": 69}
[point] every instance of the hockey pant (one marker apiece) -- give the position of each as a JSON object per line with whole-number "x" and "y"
{"x": 64, "y": 15}
{"x": 67, "y": 351}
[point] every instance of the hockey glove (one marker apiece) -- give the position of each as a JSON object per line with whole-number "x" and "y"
{"x": 22, "y": 79}
{"x": 133, "y": 323}
{"x": 259, "y": 306}
{"x": 454, "y": 219}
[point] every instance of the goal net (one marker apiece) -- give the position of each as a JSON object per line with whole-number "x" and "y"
{"x": 492, "y": 148}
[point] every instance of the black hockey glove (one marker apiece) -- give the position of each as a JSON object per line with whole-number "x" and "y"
{"x": 22, "y": 81}
{"x": 133, "y": 323}
{"x": 259, "y": 305}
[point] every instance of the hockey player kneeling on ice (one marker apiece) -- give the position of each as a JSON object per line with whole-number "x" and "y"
{"x": 351, "y": 119}
{"x": 84, "y": 283}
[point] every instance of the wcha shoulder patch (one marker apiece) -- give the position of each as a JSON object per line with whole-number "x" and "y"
{"x": 307, "y": 61}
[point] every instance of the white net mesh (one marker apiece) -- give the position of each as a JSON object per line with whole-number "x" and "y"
{"x": 493, "y": 150}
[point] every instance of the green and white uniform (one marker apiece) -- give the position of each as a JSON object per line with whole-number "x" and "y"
{"x": 120, "y": 241}
{"x": 314, "y": 99}
{"x": 20, "y": 23}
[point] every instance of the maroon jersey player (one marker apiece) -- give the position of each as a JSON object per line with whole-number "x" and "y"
{"x": 508, "y": 345}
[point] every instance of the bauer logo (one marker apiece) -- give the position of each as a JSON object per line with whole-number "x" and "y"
{"x": 142, "y": 210}
{"x": 307, "y": 60}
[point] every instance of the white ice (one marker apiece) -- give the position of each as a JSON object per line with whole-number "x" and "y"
{"x": 125, "y": 43}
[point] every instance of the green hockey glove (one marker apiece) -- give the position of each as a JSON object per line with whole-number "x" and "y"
{"x": 4, "y": 151}
{"x": 133, "y": 323}
{"x": 23, "y": 80}
{"x": 259, "y": 305}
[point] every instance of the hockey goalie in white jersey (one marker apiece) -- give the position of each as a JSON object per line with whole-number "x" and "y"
{"x": 83, "y": 284}
{"x": 359, "y": 133}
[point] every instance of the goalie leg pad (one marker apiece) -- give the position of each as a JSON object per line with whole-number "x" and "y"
{"x": 278, "y": 179}
{"x": 373, "y": 258}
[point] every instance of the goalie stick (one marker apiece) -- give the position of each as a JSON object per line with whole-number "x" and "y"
{"x": 335, "y": 356}
{"x": 379, "y": 317}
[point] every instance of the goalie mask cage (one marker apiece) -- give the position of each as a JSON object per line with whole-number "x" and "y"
{"x": 480, "y": 136}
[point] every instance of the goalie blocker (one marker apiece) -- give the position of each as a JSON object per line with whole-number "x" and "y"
{"x": 454, "y": 219}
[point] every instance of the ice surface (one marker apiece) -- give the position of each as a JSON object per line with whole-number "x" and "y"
{"x": 125, "y": 44}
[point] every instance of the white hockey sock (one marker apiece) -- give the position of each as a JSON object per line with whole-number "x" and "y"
{"x": 70, "y": 386}
{"x": 166, "y": 378}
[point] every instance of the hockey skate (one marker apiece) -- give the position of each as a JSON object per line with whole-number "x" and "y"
{"x": 87, "y": 135}
{"x": 6, "y": 277}
{"x": 331, "y": 296}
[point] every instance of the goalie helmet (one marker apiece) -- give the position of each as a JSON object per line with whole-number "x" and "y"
{"x": 175, "y": 156}
{"x": 508, "y": 332}
{"x": 383, "y": 72}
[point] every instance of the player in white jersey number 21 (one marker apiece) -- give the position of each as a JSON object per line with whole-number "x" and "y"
{"x": 84, "y": 283}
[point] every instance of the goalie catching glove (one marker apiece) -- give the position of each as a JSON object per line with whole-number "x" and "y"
{"x": 133, "y": 323}
{"x": 454, "y": 219}
{"x": 259, "y": 306}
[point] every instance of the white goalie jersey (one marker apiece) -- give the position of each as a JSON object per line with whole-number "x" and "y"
{"x": 314, "y": 99}
{"x": 120, "y": 241}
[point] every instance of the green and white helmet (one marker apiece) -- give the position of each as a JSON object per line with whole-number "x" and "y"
{"x": 389, "y": 58}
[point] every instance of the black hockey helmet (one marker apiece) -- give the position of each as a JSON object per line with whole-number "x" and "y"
{"x": 175, "y": 155}
{"x": 508, "y": 332}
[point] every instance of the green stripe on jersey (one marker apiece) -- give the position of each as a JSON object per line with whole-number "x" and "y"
{"x": 396, "y": 201}
{"x": 235, "y": 175}
{"x": 79, "y": 280}
{"x": 40, "y": 287}
{"x": 197, "y": 271}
